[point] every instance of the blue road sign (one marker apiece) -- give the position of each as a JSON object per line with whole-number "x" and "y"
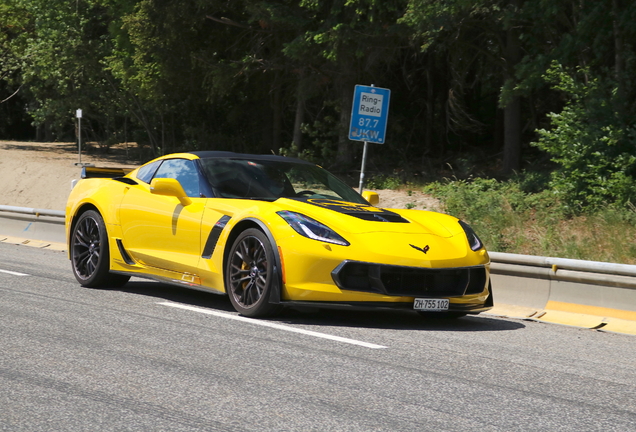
{"x": 369, "y": 114}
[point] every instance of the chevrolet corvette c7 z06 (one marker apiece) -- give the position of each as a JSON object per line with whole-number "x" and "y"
{"x": 270, "y": 231}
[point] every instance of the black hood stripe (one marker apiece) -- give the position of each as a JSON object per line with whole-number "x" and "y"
{"x": 360, "y": 211}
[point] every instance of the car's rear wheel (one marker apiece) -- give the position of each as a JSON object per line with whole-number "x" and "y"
{"x": 250, "y": 274}
{"x": 90, "y": 256}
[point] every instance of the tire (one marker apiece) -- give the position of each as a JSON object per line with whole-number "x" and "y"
{"x": 90, "y": 256}
{"x": 250, "y": 274}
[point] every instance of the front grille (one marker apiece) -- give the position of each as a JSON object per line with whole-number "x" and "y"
{"x": 410, "y": 281}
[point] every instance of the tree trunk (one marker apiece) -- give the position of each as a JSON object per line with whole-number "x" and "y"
{"x": 512, "y": 136}
{"x": 48, "y": 131}
{"x": 618, "y": 56}
{"x": 277, "y": 117}
{"x": 430, "y": 104}
{"x": 344, "y": 158}
{"x": 300, "y": 113}
{"x": 512, "y": 111}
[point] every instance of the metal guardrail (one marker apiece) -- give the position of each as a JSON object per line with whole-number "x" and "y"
{"x": 32, "y": 224}
{"x": 564, "y": 269}
{"x": 564, "y": 263}
{"x": 588, "y": 294}
{"x": 32, "y": 211}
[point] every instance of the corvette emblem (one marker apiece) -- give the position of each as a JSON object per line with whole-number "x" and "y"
{"x": 424, "y": 249}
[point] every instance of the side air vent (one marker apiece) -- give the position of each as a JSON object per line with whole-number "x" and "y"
{"x": 127, "y": 259}
{"x": 126, "y": 180}
{"x": 210, "y": 244}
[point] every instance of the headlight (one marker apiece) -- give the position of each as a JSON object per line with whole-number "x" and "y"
{"x": 311, "y": 228}
{"x": 473, "y": 240}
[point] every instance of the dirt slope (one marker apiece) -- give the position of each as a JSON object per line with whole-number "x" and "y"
{"x": 39, "y": 175}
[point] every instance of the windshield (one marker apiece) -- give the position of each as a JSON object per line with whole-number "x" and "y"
{"x": 270, "y": 180}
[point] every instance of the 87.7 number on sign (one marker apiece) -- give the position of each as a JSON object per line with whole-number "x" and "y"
{"x": 367, "y": 122}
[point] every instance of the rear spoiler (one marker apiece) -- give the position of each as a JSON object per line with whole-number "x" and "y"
{"x": 103, "y": 172}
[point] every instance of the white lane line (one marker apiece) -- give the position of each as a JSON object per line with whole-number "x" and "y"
{"x": 13, "y": 273}
{"x": 272, "y": 325}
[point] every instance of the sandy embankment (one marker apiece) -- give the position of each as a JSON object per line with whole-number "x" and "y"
{"x": 39, "y": 175}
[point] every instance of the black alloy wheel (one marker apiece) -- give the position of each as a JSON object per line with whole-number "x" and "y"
{"x": 90, "y": 256}
{"x": 251, "y": 273}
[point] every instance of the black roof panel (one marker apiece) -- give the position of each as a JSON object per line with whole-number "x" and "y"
{"x": 232, "y": 155}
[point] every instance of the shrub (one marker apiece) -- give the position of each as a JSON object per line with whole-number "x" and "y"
{"x": 590, "y": 142}
{"x": 511, "y": 219}
{"x": 383, "y": 181}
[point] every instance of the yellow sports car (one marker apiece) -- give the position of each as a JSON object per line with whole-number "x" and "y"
{"x": 270, "y": 231}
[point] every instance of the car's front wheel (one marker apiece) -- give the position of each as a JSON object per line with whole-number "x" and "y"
{"x": 250, "y": 274}
{"x": 90, "y": 256}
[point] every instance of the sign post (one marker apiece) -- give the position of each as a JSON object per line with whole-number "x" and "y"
{"x": 369, "y": 115}
{"x": 78, "y": 114}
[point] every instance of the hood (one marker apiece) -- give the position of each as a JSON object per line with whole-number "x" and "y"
{"x": 364, "y": 218}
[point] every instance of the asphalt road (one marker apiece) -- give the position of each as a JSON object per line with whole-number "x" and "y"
{"x": 151, "y": 357}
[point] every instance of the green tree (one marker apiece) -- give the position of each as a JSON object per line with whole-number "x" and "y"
{"x": 592, "y": 145}
{"x": 59, "y": 51}
{"x": 13, "y": 23}
{"x": 482, "y": 42}
{"x": 580, "y": 50}
{"x": 352, "y": 42}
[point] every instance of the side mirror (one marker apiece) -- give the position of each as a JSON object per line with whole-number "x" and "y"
{"x": 372, "y": 197}
{"x": 170, "y": 187}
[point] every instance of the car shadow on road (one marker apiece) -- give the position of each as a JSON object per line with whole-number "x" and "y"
{"x": 395, "y": 320}
{"x": 325, "y": 317}
{"x": 173, "y": 293}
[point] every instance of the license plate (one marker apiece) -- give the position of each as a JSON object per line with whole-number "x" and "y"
{"x": 431, "y": 304}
